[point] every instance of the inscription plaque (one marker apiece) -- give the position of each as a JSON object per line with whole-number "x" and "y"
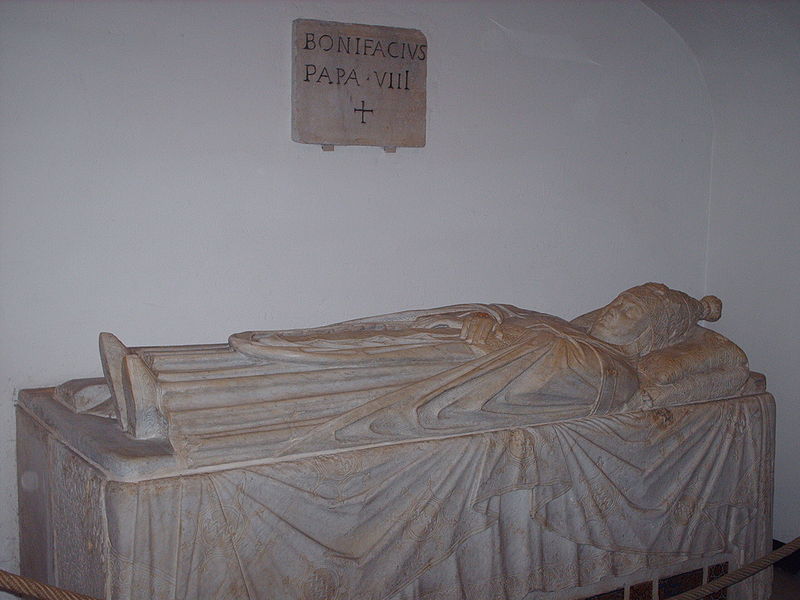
{"x": 358, "y": 85}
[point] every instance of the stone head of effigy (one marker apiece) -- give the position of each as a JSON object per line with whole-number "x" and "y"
{"x": 651, "y": 317}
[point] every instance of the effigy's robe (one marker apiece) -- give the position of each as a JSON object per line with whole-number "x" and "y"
{"x": 372, "y": 380}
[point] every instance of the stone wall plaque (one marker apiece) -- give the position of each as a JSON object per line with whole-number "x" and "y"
{"x": 358, "y": 85}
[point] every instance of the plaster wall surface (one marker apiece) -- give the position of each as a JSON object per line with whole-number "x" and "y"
{"x": 749, "y": 55}
{"x": 149, "y": 186}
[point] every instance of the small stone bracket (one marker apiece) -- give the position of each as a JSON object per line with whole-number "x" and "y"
{"x": 332, "y": 147}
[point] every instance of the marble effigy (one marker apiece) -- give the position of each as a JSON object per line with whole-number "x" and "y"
{"x": 418, "y": 374}
{"x": 472, "y": 451}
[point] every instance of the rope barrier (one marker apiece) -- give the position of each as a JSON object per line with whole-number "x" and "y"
{"x": 27, "y": 587}
{"x": 740, "y": 574}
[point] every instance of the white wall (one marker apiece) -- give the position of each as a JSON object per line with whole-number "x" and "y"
{"x": 749, "y": 54}
{"x": 150, "y": 187}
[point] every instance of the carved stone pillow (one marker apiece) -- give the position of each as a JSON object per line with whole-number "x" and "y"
{"x": 704, "y": 366}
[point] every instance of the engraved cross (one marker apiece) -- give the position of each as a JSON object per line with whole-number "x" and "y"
{"x": 363, "y": 110}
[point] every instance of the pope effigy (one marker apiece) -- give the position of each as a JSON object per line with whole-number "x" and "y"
{"x": 419, "y": 374}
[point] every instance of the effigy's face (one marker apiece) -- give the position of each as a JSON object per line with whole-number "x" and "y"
{"x": 620, "y": 322}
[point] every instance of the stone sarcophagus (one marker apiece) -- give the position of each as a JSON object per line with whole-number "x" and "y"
{"x": 472, "y": 451}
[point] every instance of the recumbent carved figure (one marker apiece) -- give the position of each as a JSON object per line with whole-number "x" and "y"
{"x": 421, "y": 373}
